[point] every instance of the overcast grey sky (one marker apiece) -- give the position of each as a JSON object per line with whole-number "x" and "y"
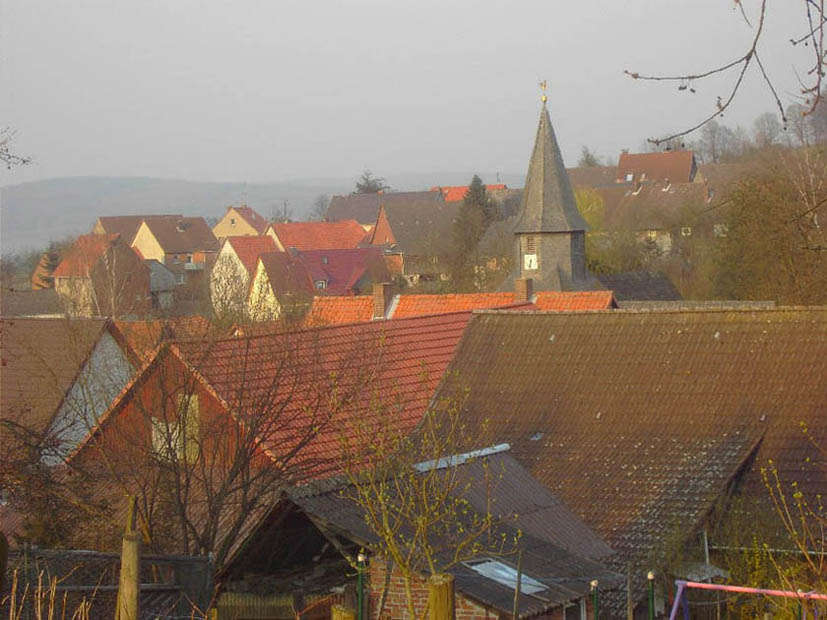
{"x": 270, "y": 90}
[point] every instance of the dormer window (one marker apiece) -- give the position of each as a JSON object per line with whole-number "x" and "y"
{"x": 630, "y": 176}
{"x": 320, "y": 284}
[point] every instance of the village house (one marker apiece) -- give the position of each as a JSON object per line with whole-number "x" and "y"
{"x": 100, "y": 275}
{"x": 664, "y": 167}
{"x": 281, "y": 287}
{"x": 240, "y": 221}
{"x": 127, "y": 225}
{"x": 234, "y": 270}
{"x": 642, "y": 422}
{"x": 345, "y": 272}
{"x": 185, "y": 245}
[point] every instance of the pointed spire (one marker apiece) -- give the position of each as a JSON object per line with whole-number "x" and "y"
{"x": 548, "y": 203}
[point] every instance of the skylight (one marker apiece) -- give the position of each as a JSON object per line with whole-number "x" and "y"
{"x": 506, "y": 575}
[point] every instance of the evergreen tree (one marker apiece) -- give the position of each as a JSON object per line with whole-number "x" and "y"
{"x": 369, "y": 184}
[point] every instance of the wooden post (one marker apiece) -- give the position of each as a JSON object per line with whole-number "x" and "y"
{"x": 129, "y": 586}
{"x": 4, "y": 556}
{"x": 441, "y": 597}
{"x": 339, "y": 612}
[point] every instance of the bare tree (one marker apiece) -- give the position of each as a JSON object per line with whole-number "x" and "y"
{"x": 414, "y": 495}
{"x": 767, "y": 130}
{"x": 812, "y": 79}
{"x": 7, "y": 157}
{"x": 319, "y": 210}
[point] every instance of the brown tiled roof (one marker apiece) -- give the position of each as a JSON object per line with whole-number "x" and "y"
{"x": 655, "y": 206}
{"x": 343, "y": 271}
{"x": 183, "y": 234}
{"x": 127, "y": 225}
{"x": 341, "y": 234}
{"x": 287, "y": 276}
{"x": 365, "y": 207}
{"x": 140, "y": 339}
{"x": 30, "y": 303}
{"x": 40, "y": 359}
{"x": 253, "y": 218}
{"x": 674, "y": 166}
{"x": 638, "y": 420}
{"x": 84, "y": 254}
{"x": 249, "y": 248}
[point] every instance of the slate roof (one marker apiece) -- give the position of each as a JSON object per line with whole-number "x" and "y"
{"x": 40, "y": 359}
{"x": 423, "y": 229}
{"x": 638, "y": 420}
{"x": 674, "y": 166}
{"x": 249, "y": 248}
{"x": 341, "y": 270}
{"x": 161, "y": 277}
{"x": 365, "y": 207}
{"x": 639, "y": 286}
{"x": 253, "y": 218}
{"x": 84, "y": 254}
{"x": 30, "y": 303}
{"x": 183, "y": 234}
{"x": 547, "y": 204}
{"x": 341, "y": 234}
{"x": 557, "y": 545}
{"x": 373, "y": 366}
{"x": 127, "y": 225}
{"x": 456, "y": 193}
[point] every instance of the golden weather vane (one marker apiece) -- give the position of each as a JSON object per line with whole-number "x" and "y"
{"x": 543, "y": 87}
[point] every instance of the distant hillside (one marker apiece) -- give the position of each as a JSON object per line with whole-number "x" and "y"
{"x": 32, "y": 214}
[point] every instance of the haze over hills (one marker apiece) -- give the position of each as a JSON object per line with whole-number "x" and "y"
{"x": 32, "y": 214}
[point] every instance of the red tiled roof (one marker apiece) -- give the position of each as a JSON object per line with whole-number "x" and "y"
{"x": 253, "y": 218}
{"x": 374, "y": 365}
{"x": 141, "y": 338}
{"x": 249, "y": 248}
{"x": 455, "y": 193}
{"x": 303, "y": 236}
{"x": 676, "y": 166}
{"x": 329, "y": 310}
{"x": 341, "y": 270}
{"x": 418, "y": 305}
{"x": 584, "y": 300}
{"x": 84, "y": 253}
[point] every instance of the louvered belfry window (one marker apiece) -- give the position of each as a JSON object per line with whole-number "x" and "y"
{"x": 529, "y": 245}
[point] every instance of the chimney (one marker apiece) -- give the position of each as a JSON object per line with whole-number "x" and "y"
{"x": 180, "y": 226}
{"x": 381, "y": 298}
{"x": 523, "y": 290}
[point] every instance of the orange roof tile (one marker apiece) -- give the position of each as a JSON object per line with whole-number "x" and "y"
{"x": 332, "y": 309}
{"x": 583, "y": 300}
{"x": 418, "y": 305}
{"x": 141, "y": 338}
{"x": 84, "y": 253}
{"x": 343, "y": 234}
{"x": 249, "y": 248}
{"x": 455, "y": 193}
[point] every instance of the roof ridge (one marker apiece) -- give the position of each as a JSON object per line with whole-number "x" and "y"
{"x": 696, "y": 310}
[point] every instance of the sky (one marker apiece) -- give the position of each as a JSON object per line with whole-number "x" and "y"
{"x": 277, "y": 90}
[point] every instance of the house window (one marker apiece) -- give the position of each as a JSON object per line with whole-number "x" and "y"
{"x": 686, "y": 231}
{"x": 529, "y": 245}
{"x": 575, "y": 611}
{"x": 178, "y": 439}
{"x": 179, "y": 278}
{"x": 630, "y": 177}
{"x": 232, "y": 221}
{"x": 320, "y": 284}
{"x": 189, "y": 258}
{"x": 720, "y": 230}
{"x": 652, "y": 235}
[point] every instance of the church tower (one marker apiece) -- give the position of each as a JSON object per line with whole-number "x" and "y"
{"x": 550, "y": 233}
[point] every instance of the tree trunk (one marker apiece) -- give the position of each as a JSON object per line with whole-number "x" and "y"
{"x": 441, "y": 597}
{"x": 129, "y": 585}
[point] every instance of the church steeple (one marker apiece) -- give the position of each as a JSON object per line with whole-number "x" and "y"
{"x": 550, "y": 233}
{"x": 548, "y": 203}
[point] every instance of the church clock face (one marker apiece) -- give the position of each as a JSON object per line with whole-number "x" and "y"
{"x": 529, "y": 261}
